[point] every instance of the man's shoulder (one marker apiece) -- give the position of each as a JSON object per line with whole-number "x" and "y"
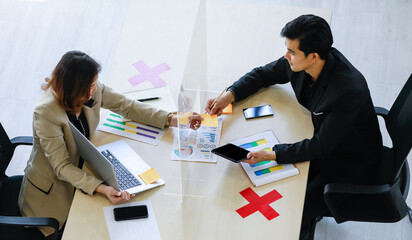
{"x": 344, "y": 68}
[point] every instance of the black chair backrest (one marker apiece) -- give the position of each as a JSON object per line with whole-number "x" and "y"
{"x": 6, "y": 152}
{"x": 399, "y": 126}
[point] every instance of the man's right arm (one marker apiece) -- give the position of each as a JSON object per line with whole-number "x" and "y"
{"x": 260, "y": 77}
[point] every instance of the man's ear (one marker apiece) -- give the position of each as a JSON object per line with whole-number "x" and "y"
{"x": 315, "y": 57}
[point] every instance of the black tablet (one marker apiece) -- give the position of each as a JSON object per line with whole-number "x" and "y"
{"x": 232, "y": 152}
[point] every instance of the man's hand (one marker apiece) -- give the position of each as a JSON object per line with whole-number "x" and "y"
{"x": 259, "y": 156}
{"x": 220, "y": 104}
{"x": 114, "y": 195}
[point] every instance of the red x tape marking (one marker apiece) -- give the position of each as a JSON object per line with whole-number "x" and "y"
{"x": 260, "y": 204}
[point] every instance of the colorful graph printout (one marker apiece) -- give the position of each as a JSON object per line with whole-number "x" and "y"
{"x": 266, "y": 171}
{"x": 113, "y": 123}
{"x": 196, "y": 145}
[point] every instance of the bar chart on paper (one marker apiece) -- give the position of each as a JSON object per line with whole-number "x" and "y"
{"x": 113, "y": 123}
{"x": 254, "y": 144}
{"x": 190, "y": 145}
{"x": 266, "y": 171}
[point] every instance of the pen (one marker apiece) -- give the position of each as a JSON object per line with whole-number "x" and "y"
{"x": 147, "y": 99}
{"x": 213, "y": 103}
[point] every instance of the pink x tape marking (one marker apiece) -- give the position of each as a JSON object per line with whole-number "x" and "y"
{"x": 149, "y": 74}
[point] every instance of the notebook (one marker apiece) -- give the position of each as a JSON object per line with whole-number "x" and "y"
{"x": 117, "y": 163}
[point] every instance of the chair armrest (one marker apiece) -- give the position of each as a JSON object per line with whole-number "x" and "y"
{"x": 355, "y": 189}
{"x": 380, "y": 111}
{"x": 32, "y": 221}
{"x": 23, "y": 140}
{"x": 9, "y": 151}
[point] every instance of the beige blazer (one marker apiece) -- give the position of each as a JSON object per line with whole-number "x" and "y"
{"x": 52, "y": 173}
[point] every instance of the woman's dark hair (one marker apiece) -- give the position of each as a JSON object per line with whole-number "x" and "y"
{"x": 313, "y": 33}
{"x": 71, "y": 80}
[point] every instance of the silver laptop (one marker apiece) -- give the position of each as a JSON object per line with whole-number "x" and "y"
{"x": 116, "y": 163}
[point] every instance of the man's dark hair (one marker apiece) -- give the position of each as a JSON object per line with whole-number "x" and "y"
{"x": 313, "y": 33}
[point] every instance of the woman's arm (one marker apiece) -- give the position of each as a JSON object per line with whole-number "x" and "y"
{"x": 128, "y": 108}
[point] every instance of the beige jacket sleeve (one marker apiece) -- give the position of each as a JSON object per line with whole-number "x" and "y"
{"x": 135, "y": 110}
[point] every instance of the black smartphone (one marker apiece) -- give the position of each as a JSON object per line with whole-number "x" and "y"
{"x": 256, "y": 112}
{"x": 132, "y": 212}
{"x": 232, "y": 152}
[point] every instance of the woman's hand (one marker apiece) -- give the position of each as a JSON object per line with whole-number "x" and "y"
{"x": 220, "y": 104}
{"x": 260, "y": 156}
{"x": 195, "y": 120}
{"x": 114, "y": 195}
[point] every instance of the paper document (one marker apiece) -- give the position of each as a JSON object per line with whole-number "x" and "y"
{"x": 136, "y": 229}
{"x": 116, "y": 124}
{"x": 150, "y": 176}
{"x": 196, "y": 145}
{"x": 209, "y": 120}
{"x": 184, "y": 118}
{"x": 266, "y": 171}
{"x": 228, "y": 109}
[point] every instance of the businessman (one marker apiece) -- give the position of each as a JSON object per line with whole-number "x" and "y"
{"x": 346, "y": 146}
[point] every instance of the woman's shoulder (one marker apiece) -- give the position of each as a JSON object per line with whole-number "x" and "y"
{"x": 48, "y": 105}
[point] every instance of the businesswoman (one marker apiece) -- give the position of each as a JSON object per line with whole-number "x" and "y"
{"x": 53, "y": 171}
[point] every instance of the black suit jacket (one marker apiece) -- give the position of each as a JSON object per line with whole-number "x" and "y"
{"x": 347, "y": 144}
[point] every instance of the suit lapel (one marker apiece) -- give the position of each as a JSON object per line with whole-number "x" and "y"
{"x": 317, "y": 96}
{"x": 92, "y": 117}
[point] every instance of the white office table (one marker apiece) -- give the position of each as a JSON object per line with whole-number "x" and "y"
{"x": 238, "y": 37}
{"x": 208, "y": 209}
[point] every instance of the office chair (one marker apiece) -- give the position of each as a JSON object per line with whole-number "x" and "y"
{"x": 11, "y": 222}
{"x": 385, "y": 201}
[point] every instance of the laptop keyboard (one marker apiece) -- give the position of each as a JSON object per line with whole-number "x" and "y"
{"x": 124, "y": 178}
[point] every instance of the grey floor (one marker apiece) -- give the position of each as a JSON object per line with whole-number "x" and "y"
{"x": 375, "y": 35}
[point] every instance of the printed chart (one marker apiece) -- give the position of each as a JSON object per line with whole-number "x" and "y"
{"x": 196, "y": 145}
{"x": 266, "y": 171}
{"x": 113, "y": 123}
